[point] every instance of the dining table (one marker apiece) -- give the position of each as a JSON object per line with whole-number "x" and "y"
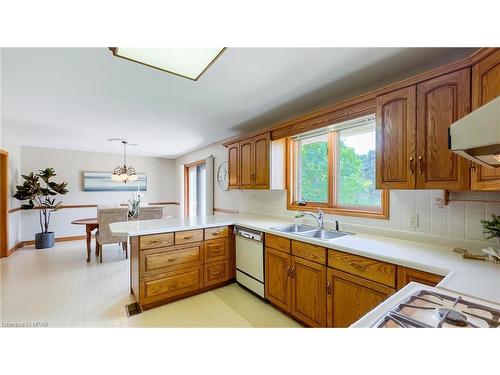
{"x": 90, "y": 225}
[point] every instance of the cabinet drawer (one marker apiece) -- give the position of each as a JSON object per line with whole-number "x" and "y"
{"x": 160, "y": 260}
{"x": 188, "y": 236}
{"x": 156, "y": 240}
{"x": 371, "y": 269}
{"x": 170, "y": 284}
{"x": 311, "y": 252}
{"x": 216, "y": 250}
{"x": 277, "y": 242}
{"x": 216, "y": 272}
{"x": 219, "y": 232}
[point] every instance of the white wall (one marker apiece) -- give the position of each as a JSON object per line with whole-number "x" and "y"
{"x": 70, "y": 165}
{"x": 231, "y": 199}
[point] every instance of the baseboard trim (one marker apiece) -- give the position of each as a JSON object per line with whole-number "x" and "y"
{"x": 226, "y": 211}
{"x": 32, "y": 242}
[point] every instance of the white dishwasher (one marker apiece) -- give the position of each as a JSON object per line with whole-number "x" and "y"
{"x": 250, "y": 259}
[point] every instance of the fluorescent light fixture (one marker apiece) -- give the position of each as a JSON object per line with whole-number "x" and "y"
{"x": 185, "y": 62}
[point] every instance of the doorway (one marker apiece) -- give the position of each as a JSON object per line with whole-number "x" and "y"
{"x": 195, "y": 182}
{"x": 4, "y": 197}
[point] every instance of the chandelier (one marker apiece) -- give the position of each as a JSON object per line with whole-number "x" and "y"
{"x": 124, "y": 173}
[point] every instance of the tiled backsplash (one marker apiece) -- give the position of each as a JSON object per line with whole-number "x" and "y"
{"x": 410, "y": 210}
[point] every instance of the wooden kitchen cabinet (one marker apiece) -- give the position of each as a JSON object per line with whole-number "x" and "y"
{"x": 261, "y": 161}
{"x": 169, "y": 266}
{"x": 407, "y": 275}
{"x": 396, "y": 139}
{"x": 485, "y": 87}
{"x": 234, "y": 165}
{"x": 349, "y": 297}
{"x": 440, "y": 102}
{"x": 294, "y": 284}
{"x": 412, "y": 134}
{"x": 246, "y": 163}
{"x": 256, "y": 163}
{"x": 278, "y": 285}
{"x": 308, "y": 292}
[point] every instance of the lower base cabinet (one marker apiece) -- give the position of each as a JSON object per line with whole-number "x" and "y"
{"x": 407, "y": 275}
{"x": 309, "y": 292}
{"x": 350, "y": 297}
{"x": 277, "y": 286}
{"x": 297, "y": 286}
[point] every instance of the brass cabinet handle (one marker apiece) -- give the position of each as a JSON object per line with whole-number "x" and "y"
{"x": 216, "y": 273}
{"x": 412, "y": 165}
{"x": 152, "y": 242}
{"x": 421, "y": 164}
{"x": 171, "y": 260}
{"x": 329, "y": 288}
{"x": 187, "y": 237}
{"x": 359, "y": 267}
{"x": 215, "y": 233}
{"x": 472, "y": 166}
{"x": 292, "y": 272}
{"x": 288, "y": 269}
{"x": 216, "y": 250}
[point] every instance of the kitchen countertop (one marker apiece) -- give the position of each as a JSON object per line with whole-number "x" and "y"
{"x": 474, "y": 278}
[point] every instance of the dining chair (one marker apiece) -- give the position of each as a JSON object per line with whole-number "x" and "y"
{"x": 150, "y": 213}
{"x": 106, "y": 216}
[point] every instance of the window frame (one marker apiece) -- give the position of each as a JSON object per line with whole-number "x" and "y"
{"x": 332, "y": 206}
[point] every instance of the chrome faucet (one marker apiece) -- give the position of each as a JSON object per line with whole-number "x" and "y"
{"x": 318, "y": 217}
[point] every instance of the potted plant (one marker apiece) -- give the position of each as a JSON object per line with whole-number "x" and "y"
{"x": 492, "y": 228}
{"x": 33, "y": 191}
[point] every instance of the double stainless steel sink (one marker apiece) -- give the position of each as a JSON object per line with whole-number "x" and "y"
{"x": 312, "y": 232}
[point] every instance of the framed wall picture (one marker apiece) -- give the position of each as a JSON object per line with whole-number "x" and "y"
{"x": 101, "y": 181}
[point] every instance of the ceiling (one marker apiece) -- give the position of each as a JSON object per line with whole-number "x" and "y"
{"x": 77, "y": 98}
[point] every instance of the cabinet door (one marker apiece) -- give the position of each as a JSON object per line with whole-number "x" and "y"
{"x": 350, "y": 297}
{"x": 485, "y": 87}
{"x": 261, "y": 177}
{"x": 246, "y": 164}
{"x": 309, "y": 292}
{"x": 234, "y": 165}
{"x": 440, "y": 102}
{"x": 407, "y": 275}
{"x": 396, "y": 138}
{"x": 277, "y": 281}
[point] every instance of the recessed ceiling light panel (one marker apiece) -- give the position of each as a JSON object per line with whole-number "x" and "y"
{"x": 185, "y": 62}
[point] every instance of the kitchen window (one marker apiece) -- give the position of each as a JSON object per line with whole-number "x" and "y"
{"x": 333, "y": 169}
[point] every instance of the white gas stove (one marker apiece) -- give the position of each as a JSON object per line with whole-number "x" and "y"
{"x": 420, "y": 306}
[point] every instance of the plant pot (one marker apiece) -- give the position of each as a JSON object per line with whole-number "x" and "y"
{"x": 44, "y": 240}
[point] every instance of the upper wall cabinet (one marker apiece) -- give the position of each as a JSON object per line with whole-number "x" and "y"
{"x": 256, "y": 163}
{"x": 412, "y": 134}
{"x": 485, "y": 87}
{"x": 440, "y": 102}
{"x": 396, "y": 137}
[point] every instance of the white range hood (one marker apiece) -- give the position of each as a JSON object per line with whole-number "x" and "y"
{"x": 477, "y": 135}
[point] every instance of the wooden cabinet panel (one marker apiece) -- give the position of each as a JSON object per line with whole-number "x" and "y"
{"x": 218, "y": 232}
{"x": 309, "y": 292}
{"x": 156, "y": 261}
{"x": 170, "y": 284}
{"x": 188, "y": 236}
{"x": 396, "y": 137}
{"x": 311, "y": 252}
{"x": 277, "y": 281}
{"x": 216, "y": 273}
{"x": 216, "y": 250}
{"x": 371, "y": 269}
{"x": 246, "y": 164}
{"x": 407, "y": 275}
{"x": 261, "y": 176}
{"x": 440, "y": 102}
{"x": 234, "y": 165}
{"x": 485, "y": 87}
{"x": 350, "y": 297}
{"x": 156, "y": 240}
{"x": 277, "y": 242}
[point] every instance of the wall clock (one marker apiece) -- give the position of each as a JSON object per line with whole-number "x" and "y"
{"x": 223, "y": 176}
